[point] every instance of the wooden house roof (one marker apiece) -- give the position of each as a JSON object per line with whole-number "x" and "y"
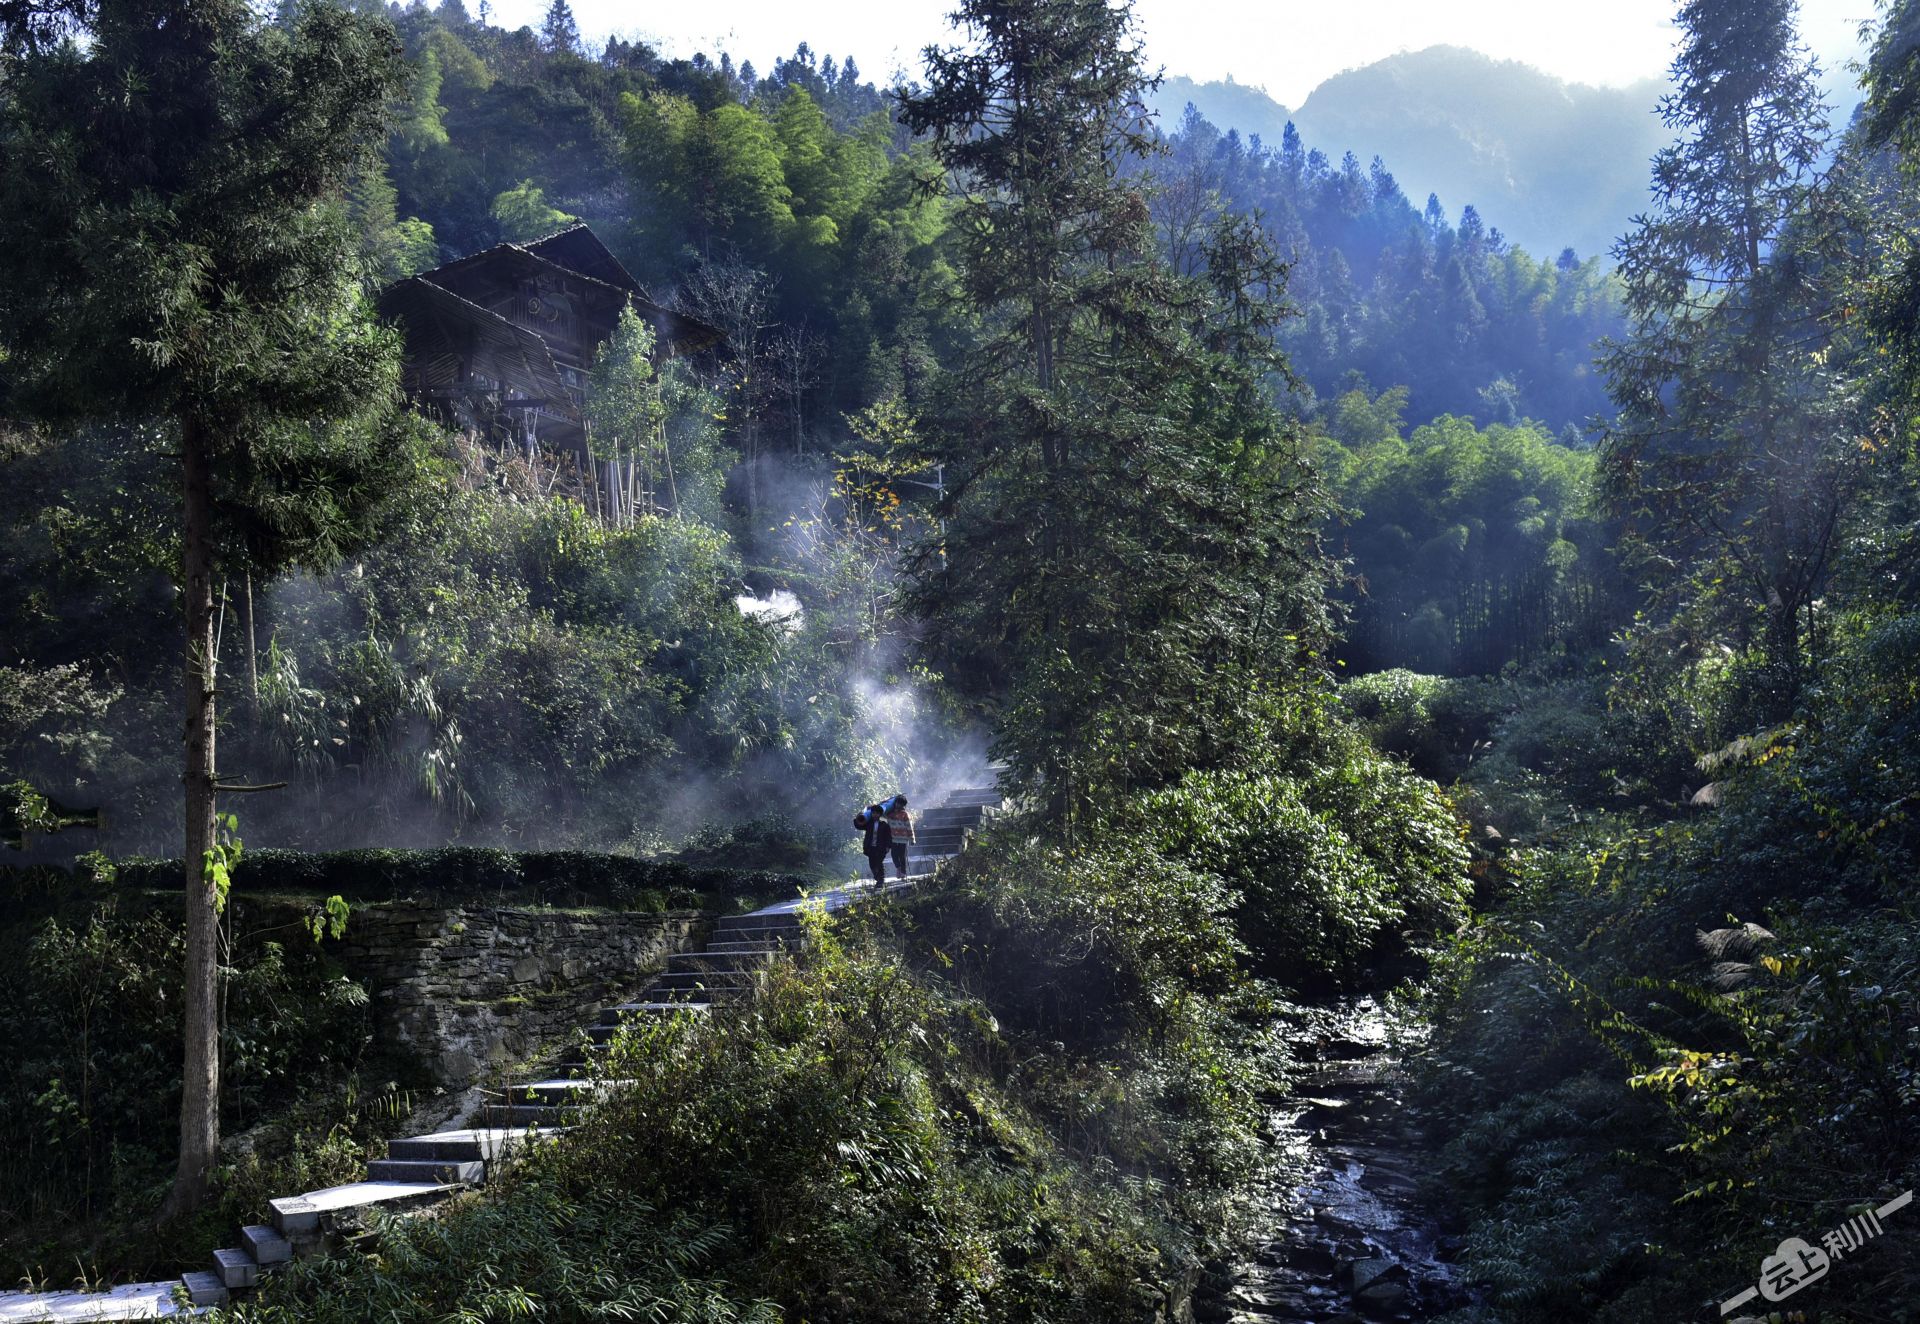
{"x": 577, "y": 253}
{"x": 427, "y": 308}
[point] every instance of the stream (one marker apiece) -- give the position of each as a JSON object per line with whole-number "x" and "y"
{"x": 1343, "y": 1234}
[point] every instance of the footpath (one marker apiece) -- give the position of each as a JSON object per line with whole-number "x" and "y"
{"x": 423, "y": 1170}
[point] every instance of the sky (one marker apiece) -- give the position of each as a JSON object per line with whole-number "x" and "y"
{"x": 1286, "y": 46}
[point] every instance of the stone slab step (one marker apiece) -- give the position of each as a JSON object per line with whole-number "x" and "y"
{"x": 973, "y": 798}
{"x": 267, "y": 1247}
{"x": 652, "y": 1006}
{"x": 471, "y": 1172}
{"x": 770, "y": 948}
{"x": 789, "y": 937}
{"x": 554, "y": 1091}
{"x": 704, "y": 979}
{"x": 130, "y": 1301}
{"x": 295, "y": 1215}
{"x": 460, "y": 1146}
{"x": 235, "y": 1268}
{"x": 744, "y": 962}
{"x": 600, "y": 1034}
{"x": 542, "y": 1115}
{"x": 204, "y": 1288}
{"x": 693, "y": 993}
{"x": 768, "y": 918}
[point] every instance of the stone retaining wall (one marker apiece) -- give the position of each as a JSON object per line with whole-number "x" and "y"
{"x": 463, "y": 989}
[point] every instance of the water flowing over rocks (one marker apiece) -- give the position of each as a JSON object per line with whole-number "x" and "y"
{"x": 1344, "y": 1232}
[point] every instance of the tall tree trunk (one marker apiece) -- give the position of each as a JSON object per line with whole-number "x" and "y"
{"x": 200, "y": 1074}
{"x": 253, "y": 646}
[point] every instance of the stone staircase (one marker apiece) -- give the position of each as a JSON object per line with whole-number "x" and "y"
{"x": 423, "y": 1170}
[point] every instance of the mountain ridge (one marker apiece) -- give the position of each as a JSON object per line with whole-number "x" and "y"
{"x": 1553, "y": 164}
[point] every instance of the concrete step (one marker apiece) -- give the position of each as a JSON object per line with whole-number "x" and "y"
{"x": 966, "y": 815}
{"x": 755, "y": 919}
{"x": 469, "y": 1172}
{"x": 522, "y": 1115}
{"x": 127, "y": 1302}
{"x": 204, "y": 1288}
{"x": 697, "y": 992}
{"x": 975, "y": 797}
{"x": 787, "y": 936}
{"x": 744, "y": 962}
{"x": 296, "y": 1216}
{"x": 469, "y": 1144}
{"x": 704, "y": 979}
{"x": 266, "y": 1246}
{"x": 555, "y": 1091}
{"x": 601, "y": 1034}
{"x": 235, "y": 1269}
{"x": 662, "y": 1002}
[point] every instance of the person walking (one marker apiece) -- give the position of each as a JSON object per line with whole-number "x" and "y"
{"x": 877, "y": 841}
{"x": 901, "y": 824}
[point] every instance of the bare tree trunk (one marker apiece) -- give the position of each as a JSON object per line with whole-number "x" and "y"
{"x": 666, "y": 461}
{"x": 200, "y": 1073}
{"x": 253, "y": 646}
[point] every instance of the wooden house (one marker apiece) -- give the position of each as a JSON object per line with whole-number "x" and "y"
{"x": 501, "y": 342}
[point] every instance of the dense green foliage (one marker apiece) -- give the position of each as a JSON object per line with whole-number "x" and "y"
{"x": 1469, "y": 548}
{"x": 91, "y": 998}
{"x": 806, "y": 176}
{"x": 553, "y": 877}
{"x": 884, "y": 1134}
{"x": 1341, "y": 859}
{"x": 1042, "y": 428}
{"x": 1685, "y": 1032}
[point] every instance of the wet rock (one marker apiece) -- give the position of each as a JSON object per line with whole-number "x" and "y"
{"x": 1385, "y": 1299}
{"x": 1347, "y": 1237}
{"x": 1359, "y": 1275}
{"x": 1311, "y": 1257}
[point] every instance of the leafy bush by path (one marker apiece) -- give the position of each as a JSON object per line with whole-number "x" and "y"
{"x": 474, "y": 873}
{"x": 867, "y": 1141}
{"x": 765, "y": 842}
{"x": 90, "y": 1028}
{"x": 534, "y": 1253}
{"x": 1675, "y": 1046}
{"x": 1333, "y": 851}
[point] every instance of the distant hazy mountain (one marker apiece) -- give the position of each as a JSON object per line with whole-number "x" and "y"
{"x": 1552, "y": 164}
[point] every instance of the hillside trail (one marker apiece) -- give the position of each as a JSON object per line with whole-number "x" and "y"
{"x": 1344, "y": 1231}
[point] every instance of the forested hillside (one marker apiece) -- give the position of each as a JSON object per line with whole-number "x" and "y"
{"x": 789, "y": 209}
{"x": 1558, "y": 164}
{"x": 1359, "y": 618}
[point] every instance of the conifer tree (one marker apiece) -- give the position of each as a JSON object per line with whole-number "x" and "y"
{"x": 1728, "y": 463}
{"x": 558, "y": 31}
{"x": 1120, "y": 550}
{"x": 185, "y": 257}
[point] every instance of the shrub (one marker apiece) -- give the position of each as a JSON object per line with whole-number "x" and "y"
{"x": 1330, "y": 865}
{"x": 91, "y": 1096}
{"x": 765, "y": 842}
{"x": 535, "y": 1252}
{"x": 555, "y": 877}
{"x": 860, "y": 1143}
